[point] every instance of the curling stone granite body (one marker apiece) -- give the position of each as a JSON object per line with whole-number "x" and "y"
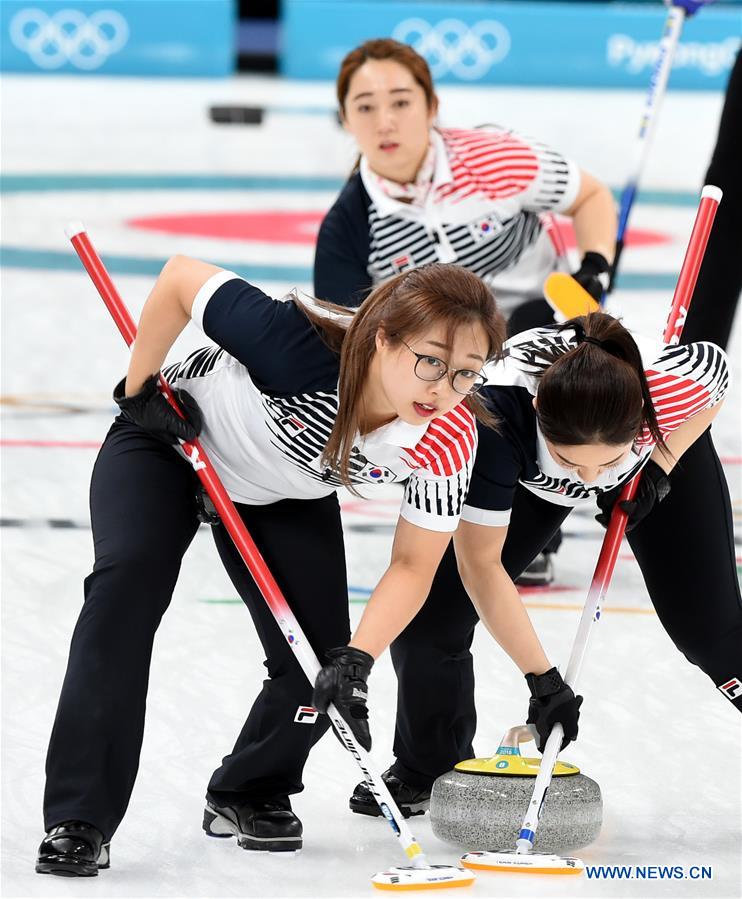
{"x": 485, "y": 811}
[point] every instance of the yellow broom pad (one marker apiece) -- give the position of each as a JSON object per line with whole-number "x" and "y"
{"x": 567, "y": 298}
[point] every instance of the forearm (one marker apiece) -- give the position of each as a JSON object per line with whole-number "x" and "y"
{"x": 501, "y": 610}
{"x": 684, "y": 437}
{"x": 398, "y": 597}
{"x": 163, "y": 319}
{"x": 595, "y": 224}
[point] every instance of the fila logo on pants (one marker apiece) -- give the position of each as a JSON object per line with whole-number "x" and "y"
{"x": 305, "y": 714}
{"x": 732, "y": 688}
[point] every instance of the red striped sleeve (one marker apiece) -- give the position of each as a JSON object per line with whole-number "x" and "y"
{"x": 498, "y": 165}
{"x": 675, "y": 400}
{"x": 447, "y": 446}
{"x": 445, "y": 458}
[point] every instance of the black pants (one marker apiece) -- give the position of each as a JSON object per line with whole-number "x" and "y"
{"x": 143, "y": 515}
{"x": 685, "y": 549}
{"x": 717, "y": 290}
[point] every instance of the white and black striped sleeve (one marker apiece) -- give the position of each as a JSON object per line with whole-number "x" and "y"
{"x": 442, "y": 464}
{"x": 273, "y": 339}
{"x": 555, "y": 183}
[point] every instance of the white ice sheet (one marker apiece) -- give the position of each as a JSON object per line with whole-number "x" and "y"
{"x": 660, "y": 740}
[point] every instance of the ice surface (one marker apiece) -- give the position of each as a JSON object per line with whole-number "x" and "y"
{"x": 660, "y": 740}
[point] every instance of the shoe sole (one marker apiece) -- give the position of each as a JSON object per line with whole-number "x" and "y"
{"x": 410, "y": 810}
{"x": 63, "y": 866}
{"x": 543, "y": 577}
{"x": 218, "y": 825}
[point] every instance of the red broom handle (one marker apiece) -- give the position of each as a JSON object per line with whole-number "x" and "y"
{"x": 709, "y": 203}
{"x": 199, "y": 460}
{"x": 710, "y": 199}
{"x": 251, "y": 555}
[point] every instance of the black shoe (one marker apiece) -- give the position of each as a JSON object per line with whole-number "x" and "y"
{"x": 411, "y": 800}
{"x": 540, "y": 573}
{"x": 73, "y": 849}
{"x": 267, "y": 825}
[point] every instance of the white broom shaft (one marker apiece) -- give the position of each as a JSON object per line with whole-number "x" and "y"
{"x": 657, "y": 88}
{"x": 708, "y": 204}
{"x": 652, "y": 103}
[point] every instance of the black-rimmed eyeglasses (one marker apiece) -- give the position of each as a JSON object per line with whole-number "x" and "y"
{"x": 431, "y": 368}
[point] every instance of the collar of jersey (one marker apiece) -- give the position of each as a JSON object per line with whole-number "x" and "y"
{"x": 545, "y": 461}
{"x": 386, "y": 205}
{"x": 605, "y": 481}
{"x": 397, "y": 433}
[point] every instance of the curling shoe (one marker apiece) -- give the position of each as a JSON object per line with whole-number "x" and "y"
{"x": 540, "y": 573}
{"x": 268, "y": 825}
{"x": 73, "y": 849}
{"x": 411, "y": 800}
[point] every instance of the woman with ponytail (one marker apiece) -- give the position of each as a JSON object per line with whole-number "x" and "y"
{"x": 295, "y": 399}
{"x": 581, "y": 408}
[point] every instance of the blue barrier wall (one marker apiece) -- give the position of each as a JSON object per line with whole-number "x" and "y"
{"x": 565, "y": 44}
{"x": 118, "y": 37}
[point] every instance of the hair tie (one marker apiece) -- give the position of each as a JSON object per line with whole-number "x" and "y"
{"x": 582, "y": 337}
{"x": 586, "y": 338}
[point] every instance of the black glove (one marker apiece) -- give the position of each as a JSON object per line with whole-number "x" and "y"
{"x": 593, "y": 274}
{"x": 653, "y": 488}
{"x": 150, "y": 410}
{"x": 343, "y": 682}
{"x": 552, "y": 702}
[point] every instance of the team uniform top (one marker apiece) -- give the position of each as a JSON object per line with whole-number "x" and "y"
{"x": 683, "y": 380}
{"x": 481, "y": 211}
{"x": 270, "y": 398}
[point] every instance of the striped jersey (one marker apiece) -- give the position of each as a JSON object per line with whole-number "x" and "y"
{"x": 482, "y": 212}
{"x": 683, "y": 380}
{"x": 269, "y": 396}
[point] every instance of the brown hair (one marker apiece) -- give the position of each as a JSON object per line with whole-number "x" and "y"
{"x": 596, "y": 392}
{"x": 385, "y": 48}
{"x": 405, "y": 305}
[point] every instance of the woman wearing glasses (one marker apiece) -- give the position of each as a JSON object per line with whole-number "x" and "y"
{"x": 296, "y": 399}
{"x": 582, "y": 408}
{"x": 474, "y": 197}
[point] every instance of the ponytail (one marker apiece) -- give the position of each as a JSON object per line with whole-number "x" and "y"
{"x": 597, "y": 392}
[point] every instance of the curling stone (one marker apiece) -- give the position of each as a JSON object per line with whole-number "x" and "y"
{"x": 481, "y": 803}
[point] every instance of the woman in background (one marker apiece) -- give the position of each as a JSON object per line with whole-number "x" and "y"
{"x": 475, "y": 197}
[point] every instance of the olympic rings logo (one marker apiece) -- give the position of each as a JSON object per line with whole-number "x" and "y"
{"x": 452, "y": 46}
{"x": 69, "y": 36}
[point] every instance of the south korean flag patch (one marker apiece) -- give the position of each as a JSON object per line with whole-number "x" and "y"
{"x": 485, "y": 228}
{"x": 375, "y": 474}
